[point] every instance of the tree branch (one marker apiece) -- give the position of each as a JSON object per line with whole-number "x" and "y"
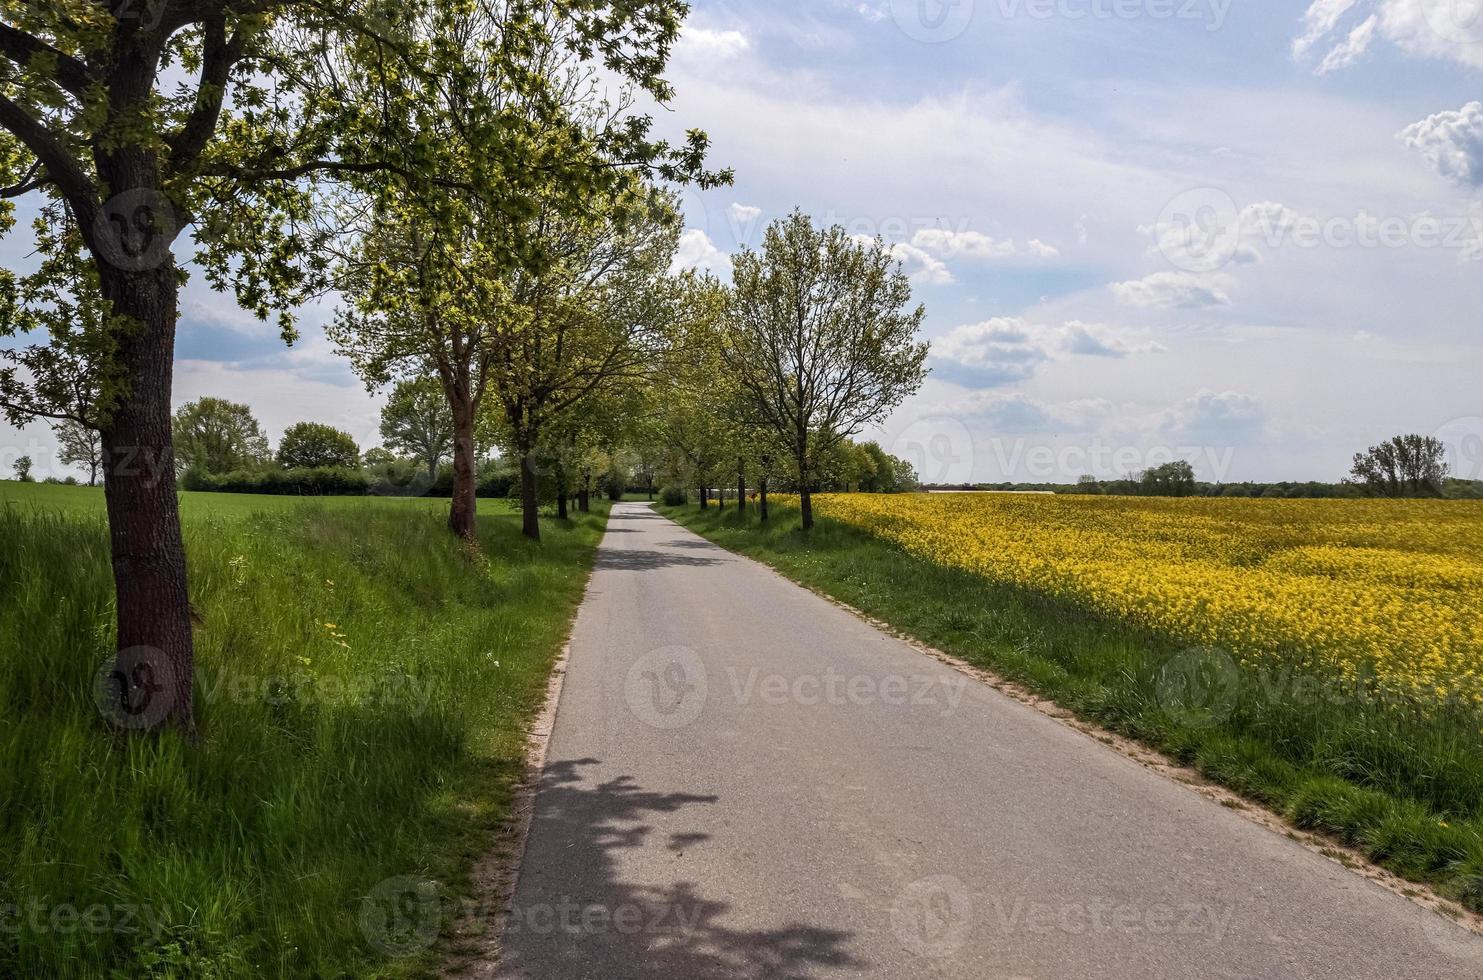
{"x": 218, "y": 58}
{"x": 22, "y": 48}
{"x": 61, "y": 166}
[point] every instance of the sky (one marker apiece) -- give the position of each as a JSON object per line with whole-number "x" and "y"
{"x": 1244, "y": 233}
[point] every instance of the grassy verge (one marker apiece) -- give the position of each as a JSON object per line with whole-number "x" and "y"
{"x": 1402, "y": 785}
{"x": 363, "y": 687}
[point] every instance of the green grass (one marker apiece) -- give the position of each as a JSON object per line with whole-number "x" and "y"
{"x": 321, "y": 769}
{"x": 44, "y": 497}
{"x": 1402, "y": 785}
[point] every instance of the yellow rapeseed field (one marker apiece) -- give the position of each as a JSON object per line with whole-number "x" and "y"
{"x": 1391, "y": 591}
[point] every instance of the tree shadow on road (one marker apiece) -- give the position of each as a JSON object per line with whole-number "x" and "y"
{"x": 648, "y": 561}
{"x": 572, "y": 917}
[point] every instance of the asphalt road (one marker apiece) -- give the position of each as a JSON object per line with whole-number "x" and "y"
{"x": 745, "y": 781}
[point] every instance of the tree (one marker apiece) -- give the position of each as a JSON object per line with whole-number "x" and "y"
{"x": 79, "y": 445}
{"x": 437, "y": 274}
{"x": 308, "y": 445}
{"x": 22, "y": 469}
{"x": 819, "y": 338}
{"x": 416, "y": 422}
{"x": 213, "y": 435}
{"x": 1405, "y": 466}
{"x": 1175, "y": 479}
{"x": 134, "y": 122}
{"x": 602, "y": 313}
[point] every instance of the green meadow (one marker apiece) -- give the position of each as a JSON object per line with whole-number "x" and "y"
{"x": 363, "y": 686}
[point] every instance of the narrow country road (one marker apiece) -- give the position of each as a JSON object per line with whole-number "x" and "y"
{"x": 745, "y": 781}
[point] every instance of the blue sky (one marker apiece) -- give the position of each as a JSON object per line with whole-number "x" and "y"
{"x": 1242, "y": 232}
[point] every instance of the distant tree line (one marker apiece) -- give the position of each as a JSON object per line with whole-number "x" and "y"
{"x": 1409, "y": 466}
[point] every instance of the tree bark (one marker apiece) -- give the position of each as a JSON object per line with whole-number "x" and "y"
{"x": 701, "y": 494}
{"x": 463, "y": 513}
{"x": 762, "y": 500}
{"x": 156, "y": 662}
{"x": 529, "y": 499}
{"x": 741, "y": 486}
{"x": 584, "y": 496}
{"x": 561, "y": 492}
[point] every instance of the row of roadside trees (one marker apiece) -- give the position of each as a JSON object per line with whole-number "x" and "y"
{"x": 477, "y": 189}
{"x": 445, "y": 165}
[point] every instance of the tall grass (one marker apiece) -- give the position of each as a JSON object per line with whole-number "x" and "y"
{"x": 1403, "y": 783}
{"x": 363, "y": 685}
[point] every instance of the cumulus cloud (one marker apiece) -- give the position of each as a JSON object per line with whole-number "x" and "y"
{"x": 920, "y": 266}
{"x": 698, "y": 252}
{"x": 1452, "y": 142}
{"x": 975, "y": 245}
{"x": 744, "y": 213}
{"x": 1018, "y": 414}
{"x": 1204, "y": 231}
{"x": 1214, "y": 418}
{"x": 1009, "y": 350}
{"x": 1175, "y": 291}
{"x": 701, "y": 44}
{"x": 1449, "y": 29}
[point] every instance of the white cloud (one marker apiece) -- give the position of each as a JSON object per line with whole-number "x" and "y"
{"x": 1452, "y": 142}
{"x": 1216, "y": 418}
{"x": 743, "y": 213}
{"x": 1018, "y": 414}
{"x": 698, "y": 252}
{"x": 1351, "y": 49}
{"x": 1009, "y": 350}
{"x": 1175, "y": 291}
{"x": 919, "y": 265}
{"x": 1448, "y": 29}
{"x": 1320, "y": 19}
{"x": 972, "y": 244}
{"x": 699, "y": 44}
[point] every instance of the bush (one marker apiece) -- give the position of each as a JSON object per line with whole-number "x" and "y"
{"x": 317, "y": 482}
{"x": 673, "y": 496}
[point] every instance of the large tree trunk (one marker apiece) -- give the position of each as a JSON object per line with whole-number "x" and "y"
{"x": 464, "y": 511}
{"x": 762, "y": 499}
{"x": 153, "y": 679}
{"x": 529, "y": 498}
{"x": 805, "y": 496}
{"x": 584, "y": 496}
{"x": 561, "y": 492}
{"x": 741, "y": 486}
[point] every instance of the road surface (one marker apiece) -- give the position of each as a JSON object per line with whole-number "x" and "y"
{"x": 745, "y": 781}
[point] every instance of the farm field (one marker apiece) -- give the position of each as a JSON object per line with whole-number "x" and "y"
{"x": 363, "y": 686}
{"x": 1383, "y": 594}
{"x": 1319, "y": 657}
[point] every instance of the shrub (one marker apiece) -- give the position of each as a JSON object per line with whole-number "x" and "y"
{"x": 305, "y": 482}
{"x": 673, "y": 496}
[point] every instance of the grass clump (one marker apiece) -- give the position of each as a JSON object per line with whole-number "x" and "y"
{"x": 363, "y": 684}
